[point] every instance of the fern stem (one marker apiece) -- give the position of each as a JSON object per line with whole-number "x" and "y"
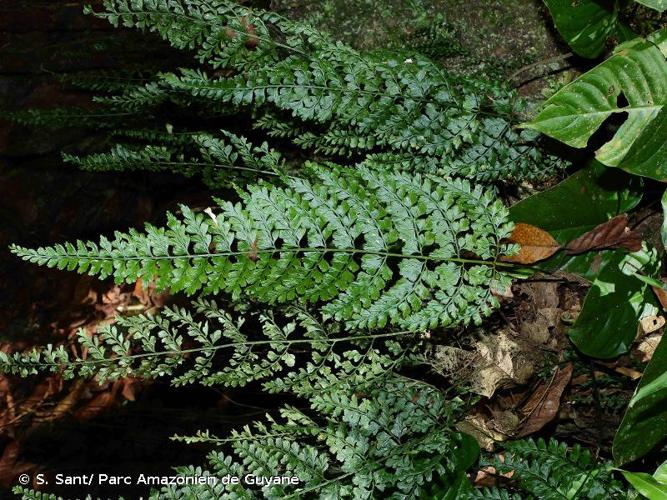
{"x": 263, "y": 251}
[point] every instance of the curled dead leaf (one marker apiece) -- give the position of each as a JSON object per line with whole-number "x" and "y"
{"x": 614, "y": 233}
{"x": 628, "y": 372}
{"x": 647, "y": 347}
{"x": 535, "y": 244}
{"x": 542, "y": 406}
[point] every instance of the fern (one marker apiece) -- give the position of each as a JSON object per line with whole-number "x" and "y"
{"x": 183, "y": 344}
{"x": 214, "y": 158}
{"x": 323, "y": 95}
{"x": 380, "y": 248}
{"x": 553, "y": 471}
{"x": 360, "y": 102}
{"x": 396, "y": 441}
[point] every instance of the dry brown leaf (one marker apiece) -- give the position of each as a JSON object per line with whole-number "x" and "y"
{"x": 501, "y": 361}
{"x": 536, "y": 244}
{"x": 129, "y": 388}
{"x": 543, "y": 404}
{"x": 479, "y": 427}
{"x": 661, "y": 293}
{"x": 614, "y": 233}
{"x": 650, "y": 324}
{"x": 629, "y": 372}
{"x": 647, "y": 347}
{"x": 488, "y": 476}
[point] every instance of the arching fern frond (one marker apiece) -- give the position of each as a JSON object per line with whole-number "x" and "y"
{"x": 221, "y": 32}
{"x": 183, "y": 345}
{"x": 384, "y": 101}
{"x": 214, "y": 158}
{"x": 377, "y": 247}
{"x": 552, "y": 470}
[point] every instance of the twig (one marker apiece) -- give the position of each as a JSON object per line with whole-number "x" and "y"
{"x": 560, "y": 57}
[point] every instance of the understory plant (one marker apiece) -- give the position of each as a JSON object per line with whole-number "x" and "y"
{"x": 323, "y": 274}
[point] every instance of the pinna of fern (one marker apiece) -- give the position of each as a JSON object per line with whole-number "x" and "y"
{"x": 303, "y": 355}
{"x": 373, "y": 247}
{"x": 216, "y": 158}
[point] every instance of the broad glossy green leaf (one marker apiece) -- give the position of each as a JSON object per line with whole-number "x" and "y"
{"x": 645, "y": 422}
{"x": 607, "y": 323}
{"x": 648, "y": 154}
{"x": 637, "y": 71}
{"x": 584, "y": 200}
{"x": 586, "y": 25}
{"x": 659, "y": 5}
{"x": 646, "y": 485}
{"x": 464, "y": 456}
{"x": 660, "y": 473}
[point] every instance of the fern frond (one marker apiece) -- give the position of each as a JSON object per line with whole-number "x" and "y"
{"x": 552, "y": 470}
{"x": 392, "y": 442}
{"x": 214, "y": 158}
{"x": 106, "y": 81}
{"x": 364, "y": 101}
{"x": 378, "y": 247}
{"x": 68, "y": 117}
{"x": 384, "y": 102}
{"x": 28, "y": 494}
{"x": 183, "y": 344}
{"x": 222, "y": 33}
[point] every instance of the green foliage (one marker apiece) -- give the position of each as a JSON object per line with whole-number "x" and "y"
{"x": 607, "y": 324}
{"x": 395, "y": 441}
{"x": 351, "y": 102}
{"x": 584, "y": 200}
{"x": 637, "y": 70}
{"x": 659, "y": 5}
{"x": 653, "y": 487}
{"x": 587, "y": 25}
{"x": 183, "y": 344}
{"x": 28, "y": 494}
{"x": 551, "y": 470}
{"x": 215, "y": 158}
{"x": 378, "y": 247}
{"x": 644, "y": 424}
